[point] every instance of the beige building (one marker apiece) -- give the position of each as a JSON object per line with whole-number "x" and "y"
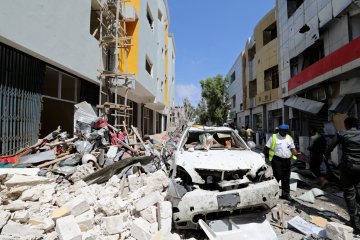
{"x": 262, "y": 104}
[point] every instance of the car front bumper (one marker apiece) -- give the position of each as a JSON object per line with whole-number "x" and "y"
{"x": 203, "y": 203}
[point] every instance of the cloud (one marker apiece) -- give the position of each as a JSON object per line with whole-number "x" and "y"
{"x": 190, "y": 91}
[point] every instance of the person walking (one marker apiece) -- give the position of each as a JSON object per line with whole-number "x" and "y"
{"x": 349, "y": 167}
{"x": 281, "y": 149}
{"x": 317, "y": 149}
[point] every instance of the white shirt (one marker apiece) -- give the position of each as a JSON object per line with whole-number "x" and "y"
{"x": 283, "y": 146}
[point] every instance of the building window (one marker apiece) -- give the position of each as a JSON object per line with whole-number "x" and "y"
{"x": 292, "y": 6}
{"x": 233, "y": 100}
{"x": 307, "y": 58}
{"x": 271, "y": 78}
{"x": 232, "y": 77}
{"x": 269, "y": 34}
{"x": 149, "y": 66}
{"x": 252, "y": 89}
{"x": 150, "y": 18}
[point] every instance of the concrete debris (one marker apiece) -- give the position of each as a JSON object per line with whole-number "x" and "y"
{"x": 310, "y": 196}
{"x": 22, "y": 180}
{"x": 68, "y": 229}
{"x": 20, "y": 171}
{"x": 21, "y": 216}
{"x": 16, "y": 206}
{"x": 337, "y": 231}
{"x": 20, "y": 230}
{"x": 78, "y": 205}
{"x": 304, "y": 227}
{"x": 4, "y": 217}
{"x": 140, "y": 229}
{"x": 115, "y": 224}
{"x": 148, "y": 201}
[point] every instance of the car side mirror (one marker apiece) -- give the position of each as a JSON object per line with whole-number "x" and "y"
{"x": 251, "y": 144}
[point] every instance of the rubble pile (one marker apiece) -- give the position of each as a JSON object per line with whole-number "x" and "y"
{"x": 101, "y": 183}
{"x": 130, "y": 207}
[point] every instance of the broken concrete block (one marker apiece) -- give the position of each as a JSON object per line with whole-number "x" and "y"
{"x": 68, "y": 229}
{"x": 115, "y": 224}
{"x": 165, "y": 209}
{"x": 108, "y": 205}
{"x": 20, "y": 171}
{"x": 26, "y": 180}
{"x": 45, "y": 224}
{"x": 337, "y": 231}
{"x": 78, "y": 205}
{"x": 20, "y": 230}
{"x": 90, "y": 195}
{"x": 15, "y": 192}
{"x": 31, "y": 194}
{"x": 85, "y": 220}
{"x": 154, "y": 227}
{"x": 140, "y": 229}
{"x": 148, "y": 201}
{"x": 149, "y": 214}
{"x": 157, "y": 178}
{"x": 21, "y": 216}
{"x": 16, "y": 206}
{"x": 51, "y": 236}
{"x": 4, "y": 217}
{"x": 47, "y": 193}
{"x": 108, "y": 191}
{"x": 61, "y": 212}
{"x": 135, "y": 182}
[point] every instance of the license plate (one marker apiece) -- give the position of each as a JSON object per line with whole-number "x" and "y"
{"x": 228, "y": 200}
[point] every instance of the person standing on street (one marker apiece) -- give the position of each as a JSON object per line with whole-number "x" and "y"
{"x": 317, "y": 149}
{"x": 349, "y": 168}
{"x": 243, "y": 133}
{"x": 249, "y": 133}
{"x": 281, "y": 149}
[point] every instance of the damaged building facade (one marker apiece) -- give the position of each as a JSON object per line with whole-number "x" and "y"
{"x": 51, "y": 59}
{"x": 301, "y": 67}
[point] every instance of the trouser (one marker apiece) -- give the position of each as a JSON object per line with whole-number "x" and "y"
{"x": 350, "y": 178}
{"x": 315, "y": 162}
{"x": 281, "y": 170}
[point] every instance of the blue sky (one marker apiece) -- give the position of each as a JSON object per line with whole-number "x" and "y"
{"x": 209, "y": 36}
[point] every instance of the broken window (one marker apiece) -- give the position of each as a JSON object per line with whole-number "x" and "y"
{"x": 307, "y": 58}
{"x": 150, "y": 18}
{"x": 232, "y": 77}
{"x": 233, "y": 100}
{"x": 252, "y": 89}
{"x": 271, "y": 78}
{"x": 292, "y": 6}
{"x": 269, "y": 34}
{"x": 149, "y": 66}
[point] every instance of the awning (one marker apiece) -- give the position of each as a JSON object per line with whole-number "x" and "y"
{"x": 343, "y": 103}
{"x": 303, "y": 104}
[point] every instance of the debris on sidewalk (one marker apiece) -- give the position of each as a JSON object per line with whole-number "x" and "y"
{"x": 306, "y": 228}
{"x": 310, "y": 196}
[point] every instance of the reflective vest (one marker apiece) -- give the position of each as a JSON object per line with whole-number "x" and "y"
{"x": 272, "y": 148}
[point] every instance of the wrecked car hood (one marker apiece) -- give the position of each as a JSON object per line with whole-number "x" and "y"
{"x": 221, "y": 160}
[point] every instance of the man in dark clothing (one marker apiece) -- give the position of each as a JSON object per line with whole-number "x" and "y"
{"x": 350, "y": 168}
{"x": 317, "y": 149}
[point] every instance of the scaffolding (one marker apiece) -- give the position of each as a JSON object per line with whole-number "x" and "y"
{"x": 114, "y": 43}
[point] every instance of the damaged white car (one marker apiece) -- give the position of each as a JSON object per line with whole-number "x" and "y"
{"x": 216, "y": 174}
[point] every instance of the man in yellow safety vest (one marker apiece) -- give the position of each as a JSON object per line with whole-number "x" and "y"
{"x": 281, "y": 149}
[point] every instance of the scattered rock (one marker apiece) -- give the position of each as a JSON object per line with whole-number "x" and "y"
{"x": 21, "y": 216}
{"x": 61, "y": 212}
{"x": 20, "y": 230}
{"x": 16, "y": 206}
{"x": 4, "y": 217}
{"x": 147, "y": 201}
{"x": 337, "y": 231}
{"x": 140, "y": 229}
{"x": 68, "y": 229}
{"x": 115, "y": 224}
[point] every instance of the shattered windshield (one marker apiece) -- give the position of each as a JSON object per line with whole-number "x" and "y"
{"x": 206, "y": 140}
